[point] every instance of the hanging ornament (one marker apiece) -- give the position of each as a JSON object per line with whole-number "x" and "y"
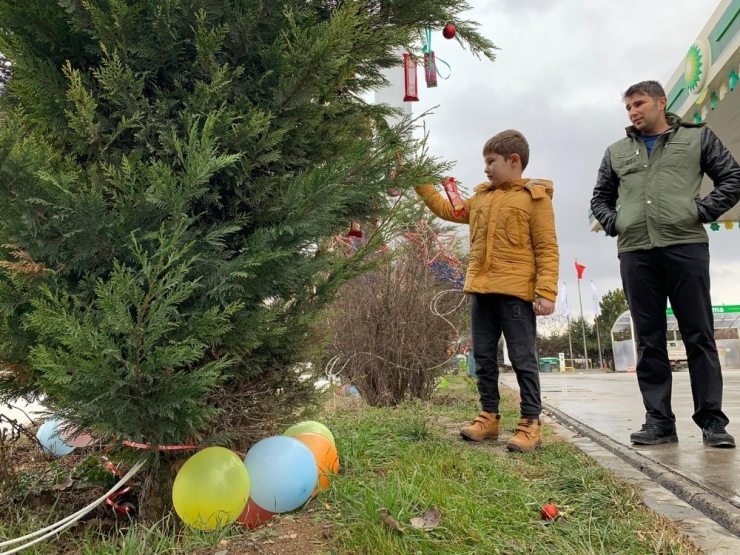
{"x": 449, "y": 31}
{"x": 430, "y": 69}
{"x": 458, "y": 206}
{"x": 354, "y": 230}
{"x": 391, "y": 175}
{"x": 410, "y": 79}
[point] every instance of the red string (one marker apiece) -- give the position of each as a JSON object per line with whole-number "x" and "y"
{"x": 115, "y": 470}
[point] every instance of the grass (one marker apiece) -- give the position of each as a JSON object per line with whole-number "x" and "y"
{"x": 410, "y": 459}
{"x": 407, "y": 460}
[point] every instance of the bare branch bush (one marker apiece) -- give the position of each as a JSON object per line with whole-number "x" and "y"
{"x": 390, "y": 343}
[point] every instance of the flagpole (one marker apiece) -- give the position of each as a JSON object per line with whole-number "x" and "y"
{"x": 598, "y": 341}
{"x": 567, "y": 316}
{"x": 583, "y": 324}
{"x": 597, "y": 313}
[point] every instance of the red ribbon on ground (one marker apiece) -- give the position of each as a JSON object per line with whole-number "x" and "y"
{"x": 115, "y": 470}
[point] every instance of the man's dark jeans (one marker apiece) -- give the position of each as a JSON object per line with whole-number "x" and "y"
{"x": 491, "y": 315}
{"x": 681, "y": 274}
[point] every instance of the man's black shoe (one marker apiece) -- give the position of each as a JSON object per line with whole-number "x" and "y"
{"x": 715, "y": 435}
{"x": 650, "y": 434}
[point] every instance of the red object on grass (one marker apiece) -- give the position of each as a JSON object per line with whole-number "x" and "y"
{"x": 549, "y": 512}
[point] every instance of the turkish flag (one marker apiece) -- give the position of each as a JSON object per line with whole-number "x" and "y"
{"x": 579, "y": 270}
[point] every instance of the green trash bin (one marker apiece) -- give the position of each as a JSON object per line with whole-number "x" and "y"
{"x": 546, "y": 364}
{"x": 471, "y": 364}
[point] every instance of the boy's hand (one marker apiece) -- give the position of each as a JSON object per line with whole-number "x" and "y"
{"x": 543, "y": 307}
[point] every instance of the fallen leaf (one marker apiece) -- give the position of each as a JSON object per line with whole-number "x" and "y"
{"x": 293, "y": 536}
{"x": 223, "y": 543}
{"x": 389, "y": 521}
{"x": 428, "y": 521}
{"x": 67, "y": 483}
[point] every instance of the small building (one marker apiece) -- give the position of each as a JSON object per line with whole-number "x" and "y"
{"x": 726, "y": 333}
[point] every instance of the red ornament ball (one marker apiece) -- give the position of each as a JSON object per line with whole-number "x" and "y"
{"x": 449, "y": 31}
{"x": 549, "y": 512}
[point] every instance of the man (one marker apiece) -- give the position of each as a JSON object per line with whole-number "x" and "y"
{"x": 647, "y": 195}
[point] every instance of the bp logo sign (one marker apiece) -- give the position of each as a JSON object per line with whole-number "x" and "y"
{"x": 696, "y": 67}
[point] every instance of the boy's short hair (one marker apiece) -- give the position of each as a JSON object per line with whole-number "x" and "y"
{"x": 651, "y": 88}
{"x": 507, "y": 143}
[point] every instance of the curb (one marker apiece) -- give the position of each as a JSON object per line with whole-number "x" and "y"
{"x": 713, "y": 506}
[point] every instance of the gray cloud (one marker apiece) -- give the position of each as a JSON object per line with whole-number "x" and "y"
{"x": 558, "y": 78}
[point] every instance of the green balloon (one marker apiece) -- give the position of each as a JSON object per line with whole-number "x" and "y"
{"x": 211, "y": 489}
{"x": 310, "y": 426}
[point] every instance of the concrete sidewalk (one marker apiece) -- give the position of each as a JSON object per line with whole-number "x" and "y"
{"x": 608, "y": 407}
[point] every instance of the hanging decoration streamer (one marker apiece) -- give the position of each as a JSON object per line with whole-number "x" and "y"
{"x": 354, "y": 230}
{"x": 458, "y": 207}
{"x": 410, "y": 79}
{"x": 431, "y": 71}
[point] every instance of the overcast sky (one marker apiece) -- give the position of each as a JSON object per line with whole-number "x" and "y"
{"x": 558, "y": 78}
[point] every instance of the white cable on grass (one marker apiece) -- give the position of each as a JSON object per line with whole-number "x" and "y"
{"x": 66, "y": 522}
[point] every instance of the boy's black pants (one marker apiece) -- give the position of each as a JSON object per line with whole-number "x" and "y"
{"x": 679, "y": 273}
{"x": 491, "y": 315}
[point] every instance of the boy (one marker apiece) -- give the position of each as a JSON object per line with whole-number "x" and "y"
{"x": 512, "y": 277}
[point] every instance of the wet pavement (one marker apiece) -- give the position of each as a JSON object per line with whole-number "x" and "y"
{"x": 610, "y": 403}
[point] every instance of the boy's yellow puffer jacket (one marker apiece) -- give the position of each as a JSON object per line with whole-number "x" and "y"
{"x": 513, "y": 245}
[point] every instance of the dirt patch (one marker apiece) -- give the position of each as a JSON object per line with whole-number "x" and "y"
{"x": 299, "y": 534}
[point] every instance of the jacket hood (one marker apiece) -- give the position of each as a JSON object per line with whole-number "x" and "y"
{"x": 671, "y": 119}
{"x": 537, "y": 187}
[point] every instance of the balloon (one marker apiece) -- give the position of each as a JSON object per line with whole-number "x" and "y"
{"x": 67, "y": 434}
{"x": 310, "y": 426}
{"x": 211, "y": 489}
{"x": 283, "y": 473}
{"x": 325, "y": 455}
{"x": 254, "y": 515}
{"x": 48, "y": 436}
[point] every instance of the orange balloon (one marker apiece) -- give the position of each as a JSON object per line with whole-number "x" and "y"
{"x": 325, "y": 453}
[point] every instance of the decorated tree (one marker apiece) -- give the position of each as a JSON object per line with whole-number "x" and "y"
{"x": 167, "y": 171}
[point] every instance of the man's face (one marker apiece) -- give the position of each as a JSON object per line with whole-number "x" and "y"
{"x": 645, "y": 112}
{"x": 500, "y": 170}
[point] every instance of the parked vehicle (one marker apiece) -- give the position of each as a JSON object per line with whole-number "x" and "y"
{"x": 677, "y": 355}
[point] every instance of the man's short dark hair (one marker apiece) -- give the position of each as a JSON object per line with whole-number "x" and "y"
{"x": 651, "y": 88}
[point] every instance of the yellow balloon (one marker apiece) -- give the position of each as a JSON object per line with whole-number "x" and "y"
{"x": 211, "y": 489}
{"x": 312, "y": 427}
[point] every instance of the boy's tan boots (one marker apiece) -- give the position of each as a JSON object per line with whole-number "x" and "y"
{"x": 527, "y": 436}
{"x": 485, "y": 426}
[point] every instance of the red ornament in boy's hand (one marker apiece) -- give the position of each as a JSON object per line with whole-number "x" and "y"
{"x": 549, "y": 512}
{"x": 449, "y": 31}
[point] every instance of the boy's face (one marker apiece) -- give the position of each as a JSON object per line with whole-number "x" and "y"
{"x": 499, "y": 170}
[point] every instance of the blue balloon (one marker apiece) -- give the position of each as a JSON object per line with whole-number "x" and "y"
{"x": 282, "y": 473}
{"x": 48, "y": 436}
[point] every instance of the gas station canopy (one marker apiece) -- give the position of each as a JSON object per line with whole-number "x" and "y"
{"x": 725, "y": 317}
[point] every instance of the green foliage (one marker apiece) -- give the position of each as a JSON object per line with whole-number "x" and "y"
{"x": 613, "y": 305}
{"x": 169, "y": 171}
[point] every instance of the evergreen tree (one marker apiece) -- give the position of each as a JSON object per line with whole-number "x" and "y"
{"x": 167, "y": 171}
